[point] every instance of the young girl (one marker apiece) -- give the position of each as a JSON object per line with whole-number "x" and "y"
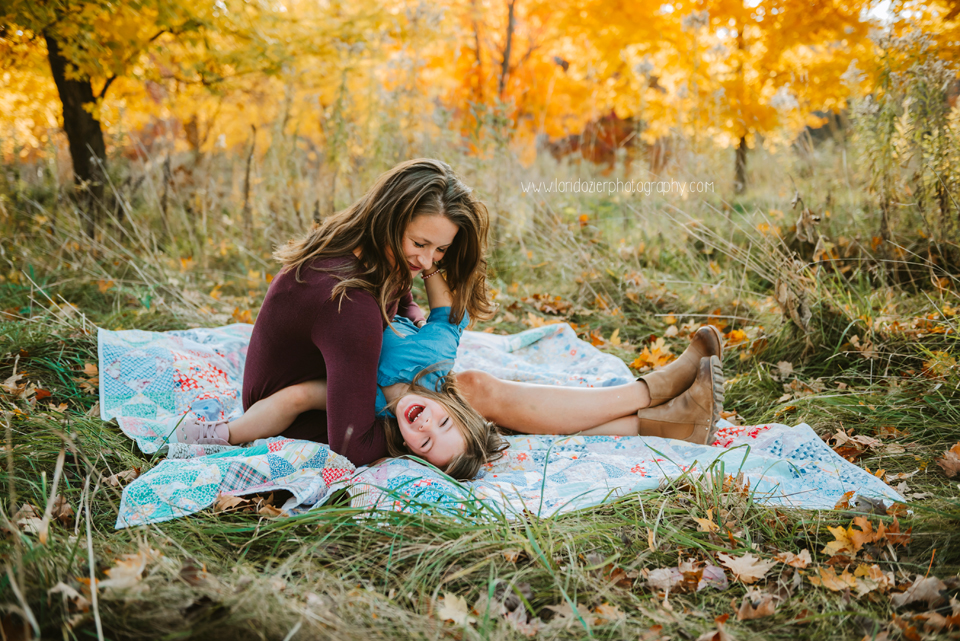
{"x": 422, "y": 410}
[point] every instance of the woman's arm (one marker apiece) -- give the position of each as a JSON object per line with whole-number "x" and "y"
{"x": 350, "y": 340}
{"x": 438, "y": 292}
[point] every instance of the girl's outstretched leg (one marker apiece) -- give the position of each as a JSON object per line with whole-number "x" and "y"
{"x": 267, "y": 417}
{"x": 549, "y": 409}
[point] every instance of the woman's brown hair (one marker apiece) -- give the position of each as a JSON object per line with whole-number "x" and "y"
{"x": 482, "y": 438}
{"x": 376, "y": 223}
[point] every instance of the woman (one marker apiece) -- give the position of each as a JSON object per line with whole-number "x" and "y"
{"x": 324, "y": 315}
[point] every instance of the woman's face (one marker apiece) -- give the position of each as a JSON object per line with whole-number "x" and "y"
{"x": 425, "y": 241}
{"x": 428, "y": 430}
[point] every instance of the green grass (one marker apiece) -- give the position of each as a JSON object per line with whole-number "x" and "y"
{"x": 338, "y": 572}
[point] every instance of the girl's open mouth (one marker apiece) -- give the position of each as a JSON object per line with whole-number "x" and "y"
{"x": 412, "y": 413}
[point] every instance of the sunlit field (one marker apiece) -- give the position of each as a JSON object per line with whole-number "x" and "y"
{"x": 642, "y": 181}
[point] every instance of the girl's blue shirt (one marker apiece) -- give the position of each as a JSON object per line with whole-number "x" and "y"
{"x": 416, "y": 348}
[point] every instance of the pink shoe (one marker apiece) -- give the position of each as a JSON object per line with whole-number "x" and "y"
{"x": 193, "y": 431}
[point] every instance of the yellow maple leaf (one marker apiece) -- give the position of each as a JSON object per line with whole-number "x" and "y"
{"x": 842, "y": 542}
{"x": 653, "y": 356}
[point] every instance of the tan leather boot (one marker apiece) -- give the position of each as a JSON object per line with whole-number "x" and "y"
{"x": 693, "y": 415}
{"x": 674, "y": 379}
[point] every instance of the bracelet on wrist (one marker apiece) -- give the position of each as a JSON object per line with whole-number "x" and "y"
{"x": 431, "y": 274}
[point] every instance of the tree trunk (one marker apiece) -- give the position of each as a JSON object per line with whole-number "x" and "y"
{"x": 84, "y": 134}
{"x": 508, "y": 45}
{"x": 740, "y": 167}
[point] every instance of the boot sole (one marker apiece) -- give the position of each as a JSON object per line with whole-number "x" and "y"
{"x": 716, "y": 372}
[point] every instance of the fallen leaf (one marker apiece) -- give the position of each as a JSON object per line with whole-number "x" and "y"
{"x": 950, "y": 462}
{"x": 828, "y": 579}
{"x": 756, "y": 605}
{"x": 800, "y": 561}
{"x": 270, "y": 511}
{"x": 62, "y": 510}
{"x": 871, "y": 577}
{"x": 27, "y": 519}
{"x": 713, "y": 577}
{"x": 707, "y": 524}
{"x": 747, "y": 568}
{"x": 841, "y": 542}
{"x": 664, "y": 579}
{"x": 121, "y": 478}
{"x": 909, "y": 631}
{"x": 609, "y": 613}
{"x": 226, "y": 502}
{"x": 844, "y": 502}
{"x": 512, "y": 555}
{"x": 454, "y": 608}
{"x": 864, "y": 535}
{"x": 923, "y": 589}
{"x": 785, "y": 368}
{"x": 720, "y": 634}
{"x": 522, "y": 623}
{"x": 128, "y": 569}
{"x": 653, "y": 356}
{"x": 893, "y": 535}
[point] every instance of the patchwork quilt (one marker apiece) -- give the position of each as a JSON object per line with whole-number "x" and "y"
{"x": 150, "y": 380}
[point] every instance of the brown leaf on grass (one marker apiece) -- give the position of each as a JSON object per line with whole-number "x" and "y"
{"x": 950, "y": 462}
{"x": 62, "y": 510}
{"x": 713, "y": 577}
{"x": 747, "y": 568}
{"x": 664, "y": 579}
{"x": 707, "y": 524}
{"x": 844, "y": 502}
{"x": 871, "y": 577}
{"x": 122, "y": 478}
{"x": 923, "y": 589}
{"x": 270, "y": 511}
{"x": 226, "y": 502}
{"x": 193, "y": 574}
{"x": 720, "y": 634}
{"x": 828, "y": 579}
{"x": 27, "y": 519}
{"x": 862, "y": 536}
{"x": 454, "y": 608}
{"x": 799, "y": 561}
{"x": 932, "y": 621}
{"x": 92, "y": 380}
{"x": 512, "y": 555}
{"x": 756, "y": 605}
{"x": 127, "y": 571}
{"x": 909, "y": 631}
{"x": 520, "y": 621}
{"x": 893, "y": 534}
{"x": 608, "y": 613}
{"x": 77, "y": 605}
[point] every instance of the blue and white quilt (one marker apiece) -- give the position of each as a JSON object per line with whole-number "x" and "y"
{"x": 149, "y": 380}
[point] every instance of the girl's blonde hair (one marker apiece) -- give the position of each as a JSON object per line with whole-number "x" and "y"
{"x": 483, "y": 441}
{"x": 376, "y": 223}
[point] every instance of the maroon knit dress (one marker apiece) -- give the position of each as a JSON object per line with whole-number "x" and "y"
{"x": 302, "y": 335}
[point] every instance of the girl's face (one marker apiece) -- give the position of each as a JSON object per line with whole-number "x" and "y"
{"x": 428, "y": 430}
{"x": 425, "y": 241}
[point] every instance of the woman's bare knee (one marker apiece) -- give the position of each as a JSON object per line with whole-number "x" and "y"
{"x": 480, "y": 389}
